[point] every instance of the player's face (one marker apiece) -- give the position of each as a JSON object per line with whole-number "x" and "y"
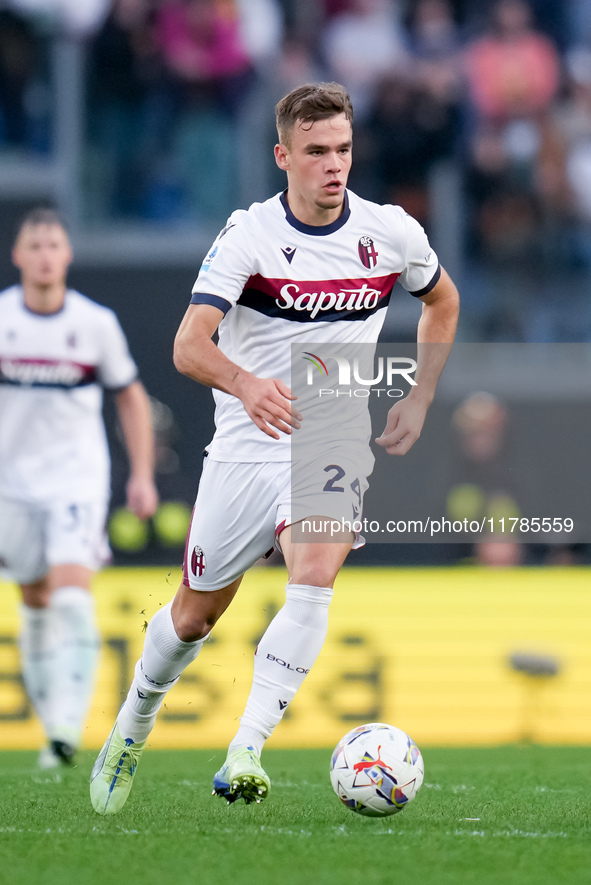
{"x": 317, "y": 162}
{"x": 43, "y": 254}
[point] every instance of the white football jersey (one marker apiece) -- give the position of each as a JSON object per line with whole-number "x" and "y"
{"x": 281, "y": 283}
{"x": 52, "y": 371}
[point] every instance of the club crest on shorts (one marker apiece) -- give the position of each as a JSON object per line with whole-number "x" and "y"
{"x": 198, "y": 562}
{"x": 367, "y": 252}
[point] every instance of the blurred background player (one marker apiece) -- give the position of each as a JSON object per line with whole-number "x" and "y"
{"x": 58, "y": 349}
{"x": 321, "y": 235}
{"x": 485, "y": 485}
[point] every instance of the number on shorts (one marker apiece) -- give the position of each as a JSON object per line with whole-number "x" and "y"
{"x": 330, "y": 485}
{"x": 73, "y": 517}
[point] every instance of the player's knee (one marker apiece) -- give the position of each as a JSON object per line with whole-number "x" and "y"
{"x": 190, "y": 629}
{"x": 190, "y": 626}
{"x": 37, "y": 595}
{"x": 315, "y": 574}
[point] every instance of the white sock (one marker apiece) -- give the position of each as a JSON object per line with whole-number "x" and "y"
{"x": 283, "y": 658}
{"x": 37, "y": 643}
{"x": 75, "y": 661}
{"x": 163, "y": 659}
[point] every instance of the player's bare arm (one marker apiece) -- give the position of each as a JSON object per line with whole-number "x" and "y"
{"x": 267, "y": 401}
{"x": 133, "y": 407}
{"x": 435, "y": 335}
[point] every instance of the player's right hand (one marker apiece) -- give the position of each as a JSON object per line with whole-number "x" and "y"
{"x": 268, "y": 403}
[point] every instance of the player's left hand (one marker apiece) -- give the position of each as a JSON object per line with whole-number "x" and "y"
{"x": 142, "y": 496}
{"x": 403, "y": 426}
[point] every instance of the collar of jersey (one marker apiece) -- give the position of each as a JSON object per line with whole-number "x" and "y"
{"x": 36, "y": 313}
{"x": 316, "y": 230}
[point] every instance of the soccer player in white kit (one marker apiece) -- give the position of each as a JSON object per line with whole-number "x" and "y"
{"x": 58, "y": 350}
{"x": 316, "y": 263}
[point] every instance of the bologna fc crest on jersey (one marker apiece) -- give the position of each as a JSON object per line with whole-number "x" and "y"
{"x": 198, "y": 562}
{"x": 367, "y": 252}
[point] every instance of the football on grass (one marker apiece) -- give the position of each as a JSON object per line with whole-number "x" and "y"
{"x": 376, "y": 769}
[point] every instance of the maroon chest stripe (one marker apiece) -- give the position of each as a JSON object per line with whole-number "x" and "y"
{"x": 63, "y": 374}
{"x": 317, "y": 300}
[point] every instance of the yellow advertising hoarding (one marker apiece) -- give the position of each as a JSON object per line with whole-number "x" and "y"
{"x": 425, "y": 649}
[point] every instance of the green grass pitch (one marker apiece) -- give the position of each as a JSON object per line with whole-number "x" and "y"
{"x": 511, "y": 815}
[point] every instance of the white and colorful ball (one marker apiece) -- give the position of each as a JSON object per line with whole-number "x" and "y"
{"x": 376, "y": 769}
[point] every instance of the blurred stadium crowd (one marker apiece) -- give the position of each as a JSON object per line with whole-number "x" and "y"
{"x": 499, "y": 91}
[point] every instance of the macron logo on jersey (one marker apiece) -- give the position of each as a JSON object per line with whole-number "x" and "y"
{"x": 289, "y": 252}
{"x": 45, "y": 373}
{"x": 320, "y": 300}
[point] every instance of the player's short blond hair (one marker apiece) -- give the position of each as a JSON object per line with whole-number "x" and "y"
{"x": 314, "y": 101}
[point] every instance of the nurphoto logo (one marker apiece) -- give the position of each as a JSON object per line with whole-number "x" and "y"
{"x": 349, "y": 372}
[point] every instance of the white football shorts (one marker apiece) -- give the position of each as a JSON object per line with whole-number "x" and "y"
{"x": 34, "y": 537}
{"x": 242, "y": 508}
